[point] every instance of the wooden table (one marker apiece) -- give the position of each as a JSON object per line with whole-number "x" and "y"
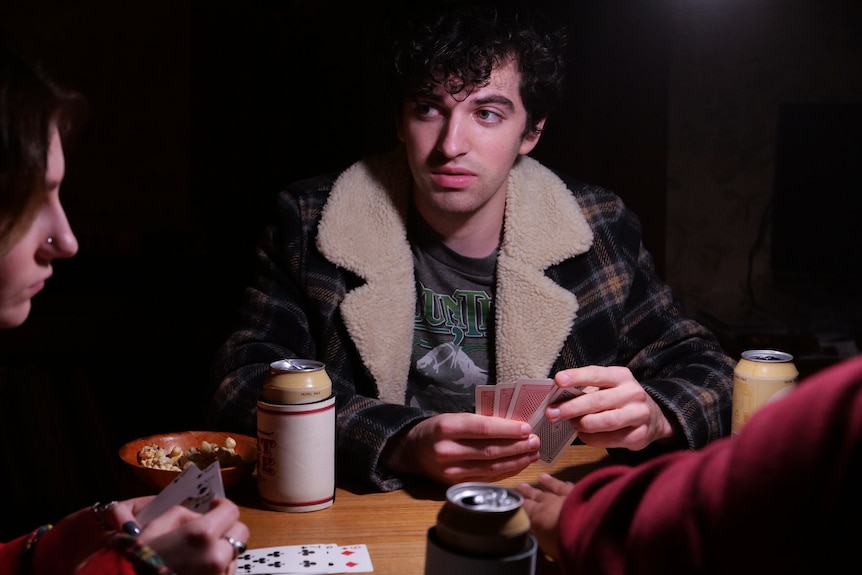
{"x": 393, "y": 525}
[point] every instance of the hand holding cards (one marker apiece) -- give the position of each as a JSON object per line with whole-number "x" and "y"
{"x": 526, "y": 400}
{"x": 192, "y": 488}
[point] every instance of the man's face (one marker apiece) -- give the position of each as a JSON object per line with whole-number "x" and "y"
{"x": 460, "y": 150}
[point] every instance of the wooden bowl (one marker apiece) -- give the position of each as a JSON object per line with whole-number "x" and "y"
{"x": 157, "y": 479}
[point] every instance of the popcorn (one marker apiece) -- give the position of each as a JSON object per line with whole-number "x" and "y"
{"x": 156, "y": 457}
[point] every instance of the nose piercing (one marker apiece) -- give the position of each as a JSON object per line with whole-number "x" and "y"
{"x": 50, "y": 241}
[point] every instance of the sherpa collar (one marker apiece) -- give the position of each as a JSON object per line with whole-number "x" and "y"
{"x": 363, "y": 229}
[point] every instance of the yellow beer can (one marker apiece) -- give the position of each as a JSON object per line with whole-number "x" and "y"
{"x": 761, "y": 376}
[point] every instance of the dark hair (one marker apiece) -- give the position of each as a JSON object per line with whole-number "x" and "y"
{"x": 457, "y": 44}
{"x": 30, "y": 103}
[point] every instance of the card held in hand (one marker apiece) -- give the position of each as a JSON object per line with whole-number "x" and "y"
{"x": 193, "y": 488}
{"x": 503, "y": 394}
{"x": 485, "y": 399}
{"x": 528, "y": 397}
{"x": 554, "y": 437}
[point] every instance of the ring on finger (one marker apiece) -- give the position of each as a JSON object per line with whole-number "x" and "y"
{"x": 239, "y": 547}
{"x": 99, "y": 511}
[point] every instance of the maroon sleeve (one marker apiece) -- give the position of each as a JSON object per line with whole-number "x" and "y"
{"x": 10, "y": 553}
{"x": 785, "y": 496}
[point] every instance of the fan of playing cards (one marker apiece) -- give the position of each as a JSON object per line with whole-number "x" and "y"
{"x": 526, "y": 400}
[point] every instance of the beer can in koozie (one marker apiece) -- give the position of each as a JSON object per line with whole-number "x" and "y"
{"x": 481, "y": 529}
{"x": 761, "y": 376}
{"x": 296, "y": 437}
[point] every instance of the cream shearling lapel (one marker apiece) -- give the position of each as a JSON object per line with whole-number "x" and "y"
{"x": 544, "y": 225}
{"x": 363, "y": 229}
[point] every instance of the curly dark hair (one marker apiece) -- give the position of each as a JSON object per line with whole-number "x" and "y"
{"x": 456, "y": 45}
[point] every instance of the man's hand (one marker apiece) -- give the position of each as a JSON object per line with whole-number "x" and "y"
{"x": 456, "y": 447}
{"x": 543, "y": 505}
{"x": 615, "y": 411}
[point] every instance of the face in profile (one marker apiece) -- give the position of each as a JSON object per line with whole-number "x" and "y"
{"x": 26, "y": 267}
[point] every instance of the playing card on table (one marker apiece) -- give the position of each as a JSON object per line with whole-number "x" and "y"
{"x": 528, "y": 397}
{"x": 321, "y": 558}
{"x": 349, "y": 559}
{"x": 284, "y": 559}
{"x": 192, "y": 488}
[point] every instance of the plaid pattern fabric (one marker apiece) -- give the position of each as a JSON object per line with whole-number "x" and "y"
{"x": 627, "y": 317}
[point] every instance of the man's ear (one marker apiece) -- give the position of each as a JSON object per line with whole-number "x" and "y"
{"x": 532, "y": 138}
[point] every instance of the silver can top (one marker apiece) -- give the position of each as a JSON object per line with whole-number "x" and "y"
{"x": 292, "y": 365}
{"x": 484, "y": 497}
{"x": 767, "y": 356}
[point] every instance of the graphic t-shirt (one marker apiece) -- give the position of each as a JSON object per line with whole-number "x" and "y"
{"x": 452, "y": 325}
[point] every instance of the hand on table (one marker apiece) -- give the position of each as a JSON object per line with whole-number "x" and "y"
{"x": 457, "y": 447}
{"x": 615, "y": 411}
{"x": 543, "y": 506}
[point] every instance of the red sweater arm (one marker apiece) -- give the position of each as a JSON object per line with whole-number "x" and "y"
{"x": 10, "y": 553}
{"x": 785, "y": 496}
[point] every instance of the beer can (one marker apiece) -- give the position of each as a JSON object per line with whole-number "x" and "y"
{"x": 481, "y": 528}
{"x": 296, "y": 437}
{"x": 761, "y": 376}
{"x": 296, "y": 381}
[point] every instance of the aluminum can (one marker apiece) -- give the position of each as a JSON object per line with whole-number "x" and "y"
{"x": 761, "y": 376}
{"x": 296, "y": 437}
{"x": 296, "y": 381}
{"x": 481, "y": 528}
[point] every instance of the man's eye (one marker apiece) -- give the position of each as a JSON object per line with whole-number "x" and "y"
{"x": 424, "y": 109}
{"x": 488, "y": 116}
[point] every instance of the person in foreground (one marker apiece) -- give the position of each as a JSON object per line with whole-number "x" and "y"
{"x": 457, "y": 260}
{"x": 781, "y": 497}
{"x": 36, "y": 116}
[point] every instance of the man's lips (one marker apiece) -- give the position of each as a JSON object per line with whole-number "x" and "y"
{"x": 453, "y": 179}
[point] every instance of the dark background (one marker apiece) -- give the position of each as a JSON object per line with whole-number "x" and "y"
{"x": 200, "y": 112}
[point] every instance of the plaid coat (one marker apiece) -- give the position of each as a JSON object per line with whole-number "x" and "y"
{"x": 574, "y": 287}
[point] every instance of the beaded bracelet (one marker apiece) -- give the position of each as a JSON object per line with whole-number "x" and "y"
{"x": 143, "y": 555}
{"x": 25, "y": 556}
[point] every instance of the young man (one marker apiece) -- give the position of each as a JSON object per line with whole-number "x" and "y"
{"x": 456, "y": 260}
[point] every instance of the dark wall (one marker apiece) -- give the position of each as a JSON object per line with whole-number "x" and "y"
{"x": 199, "y": 114}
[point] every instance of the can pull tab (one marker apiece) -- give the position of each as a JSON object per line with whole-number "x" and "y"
{"x": 489, "y": 500}
{"x": 299, "y": 366}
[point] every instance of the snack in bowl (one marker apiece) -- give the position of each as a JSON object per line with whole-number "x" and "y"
{"x": 158, "y": 459}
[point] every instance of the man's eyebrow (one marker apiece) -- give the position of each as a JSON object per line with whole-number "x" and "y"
{"x": 496, "y": 99}
{"x": 481, "y": 101}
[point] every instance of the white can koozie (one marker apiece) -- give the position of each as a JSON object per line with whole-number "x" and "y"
{"x": 296, "y": 455}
